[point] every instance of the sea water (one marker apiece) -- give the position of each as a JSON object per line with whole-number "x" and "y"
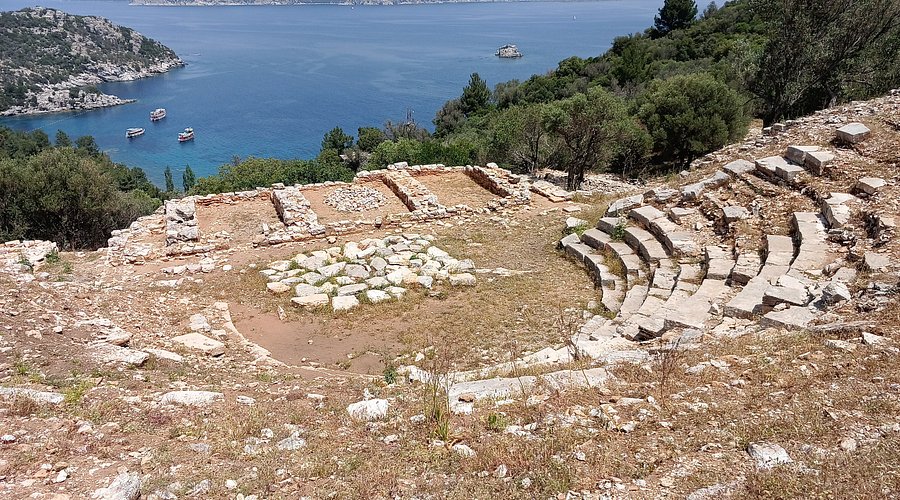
{"x": 270, "y": 81}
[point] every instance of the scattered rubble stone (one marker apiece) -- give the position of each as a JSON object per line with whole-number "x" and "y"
{"x": 368, "y": 410}
{"x": 191, "y": 398}
{"x": 768, "y": 455}
{"x": 125, "y": 486}
{"x": 373, "y": 269}
{"x": 201, "y": 343}
{"x": 355, "y": 199}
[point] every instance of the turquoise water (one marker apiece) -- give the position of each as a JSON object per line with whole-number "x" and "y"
{"x": 270, "y": 81}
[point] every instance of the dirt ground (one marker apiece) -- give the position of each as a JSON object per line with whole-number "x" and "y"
{"x": 456, "y": 188}
{"x": 497, "y": 320}
{"x": 242, "y": 220}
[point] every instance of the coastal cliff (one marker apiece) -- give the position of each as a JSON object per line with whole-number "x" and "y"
{"x": 53, "y": 60}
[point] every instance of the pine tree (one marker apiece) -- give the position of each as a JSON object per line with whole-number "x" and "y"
{"x": 63, "y": 140}
{"x": 188, "y": 179}
{"x": 673, "y": 15}
{"x": 475, "y": 96}
{"x": 170, "y": 184}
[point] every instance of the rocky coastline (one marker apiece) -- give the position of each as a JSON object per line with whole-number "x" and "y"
{"x": 59, "y": 97}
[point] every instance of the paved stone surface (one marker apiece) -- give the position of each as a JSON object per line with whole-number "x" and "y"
{"x": 314, "y": 300}
{"x": 352, "y": 289}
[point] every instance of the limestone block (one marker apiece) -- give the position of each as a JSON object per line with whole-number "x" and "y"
{"x": 201, "y": 343}
{"x": 853, "y": 133}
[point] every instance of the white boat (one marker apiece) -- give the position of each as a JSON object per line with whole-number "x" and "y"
{"x": 157, "y": 114}
{"x": 187, "y": 135}
{"x": 134, "y": 132}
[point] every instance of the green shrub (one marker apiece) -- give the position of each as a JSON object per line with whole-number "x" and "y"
{"x": 691, "y": 115}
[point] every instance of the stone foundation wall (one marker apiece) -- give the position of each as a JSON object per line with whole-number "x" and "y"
{"x": 181, "y": 221}
{"x": 295, "y": 210}
{"x": 411, "y": 192}
{"x": 509, "y": 187}
{"x": 17, "y": 252}
{"x": 300, "y": 220}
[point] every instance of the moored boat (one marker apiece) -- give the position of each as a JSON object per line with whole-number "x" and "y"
{"x": 134, "y": 132}
{"x": 187, "y": 135}
{"x": 157, "y": 114}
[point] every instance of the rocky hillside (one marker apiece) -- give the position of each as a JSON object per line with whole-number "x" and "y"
{"x": 728, "y": 332}
{"x": 51, "y": 60}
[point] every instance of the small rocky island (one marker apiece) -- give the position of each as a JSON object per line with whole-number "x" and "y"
{"x": 509, "y": 51}
{"x": 52, "y": 61}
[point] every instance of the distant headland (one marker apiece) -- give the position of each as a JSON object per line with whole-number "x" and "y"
{"x": 53, "y": 60}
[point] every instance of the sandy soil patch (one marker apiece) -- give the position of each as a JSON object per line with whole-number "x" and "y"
{"x": 242, "y": 220}
{"x": 455, "y": 188}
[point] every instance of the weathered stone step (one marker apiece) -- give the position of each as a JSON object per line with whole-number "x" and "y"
{"x": 813, "y": 251}
{"x": 693, "y": 191}
{"x": 612, "y": 287}
{"x": 719, "y": 263}
{"x": 778, "y": 167}
{"x": 813, "y": 158}
{"x": 837, "y": 209}
{"x": 645, "y": 244}
{"x": 629, "y": 262}
{"x": 676, "y": 240}
{"x": 749, "y": 301}
{"x": 633, "y": 300}
{"x": 694, "y": 311}
{"x": 746, "y": 267}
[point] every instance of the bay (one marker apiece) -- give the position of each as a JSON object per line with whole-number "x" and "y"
{"x": 269, "y": 81}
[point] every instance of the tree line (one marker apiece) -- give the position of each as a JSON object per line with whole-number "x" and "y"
{"x": 68, "y": 192}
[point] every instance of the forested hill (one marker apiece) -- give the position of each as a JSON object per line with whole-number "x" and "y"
{"x": 50, "y": 60}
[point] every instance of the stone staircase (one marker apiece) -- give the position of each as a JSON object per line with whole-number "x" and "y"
{"x": 670, "y": 281}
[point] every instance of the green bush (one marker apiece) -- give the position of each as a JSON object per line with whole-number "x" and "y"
{"x": 70, "y": 198}
{"x": 690, "y": 115}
